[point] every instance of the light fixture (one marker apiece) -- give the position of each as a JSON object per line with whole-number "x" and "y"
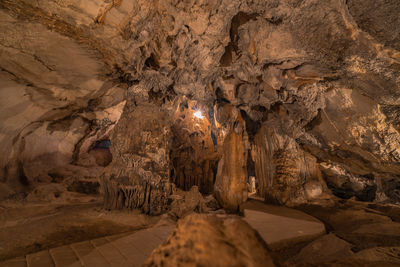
{"x": 198, "y": 114}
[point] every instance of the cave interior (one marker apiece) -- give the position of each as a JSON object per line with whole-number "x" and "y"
{"x": 199, "y": 133}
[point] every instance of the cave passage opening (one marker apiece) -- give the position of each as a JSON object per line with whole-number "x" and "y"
{"x": 252, "y": 181}
{"x": 193, "y": 154}
{"x": 100, "y": 150}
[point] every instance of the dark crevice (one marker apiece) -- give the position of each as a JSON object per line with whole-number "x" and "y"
{"x": 21, "y": 175}
{"x": 226, "y": 59}
{"x": 252, "y": 126}
{"x": 220, "y": 96}
{"x": 275, "y": 107}
{"x": 238, "y": 20}
{"x": 317, "y": 120}
{"x": 156, "y": 97}
{"x": 123, "y": 77}
{"x": 275, "y": 20}
{"x": 152, "y": 62}
{"x": 170, "y": 93}
{"x": 232, "y": 47}
{"x": 259, "y": 108}
{"x": 77, "y": 147}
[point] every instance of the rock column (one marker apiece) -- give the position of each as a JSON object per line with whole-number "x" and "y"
{"x": 231, "y": 182}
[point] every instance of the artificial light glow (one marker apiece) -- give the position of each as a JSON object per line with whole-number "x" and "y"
{"x": 198, "y": 114}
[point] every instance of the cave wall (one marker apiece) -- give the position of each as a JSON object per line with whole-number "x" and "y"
{"x": 321, "y": 75}
{"x": 54, "y": 104}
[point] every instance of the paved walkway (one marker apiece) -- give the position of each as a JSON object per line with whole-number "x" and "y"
{"x": 119, "y": 251}
{"x": 280, "y": 226}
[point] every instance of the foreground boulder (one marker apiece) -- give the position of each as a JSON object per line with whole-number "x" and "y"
{"x": 205, "y": 240}
{"x": 324, "y": 249}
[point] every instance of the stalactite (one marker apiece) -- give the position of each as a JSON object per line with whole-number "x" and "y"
{"x": 151, "y": 199}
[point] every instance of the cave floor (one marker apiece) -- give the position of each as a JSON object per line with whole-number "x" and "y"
{"x": 27, "y": 228}
{"x": 84, "y": 233}
{"x": 129, "y": 249}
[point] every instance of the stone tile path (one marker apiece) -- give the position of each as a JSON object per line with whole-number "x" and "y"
{"x": 280, "y": 226}
{"x": 119, "y": 251}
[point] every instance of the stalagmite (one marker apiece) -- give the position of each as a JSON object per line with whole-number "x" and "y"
{"x": 231, "y": 181}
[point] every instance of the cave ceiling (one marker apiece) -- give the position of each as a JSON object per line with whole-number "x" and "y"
{"x": 317, "y": 82}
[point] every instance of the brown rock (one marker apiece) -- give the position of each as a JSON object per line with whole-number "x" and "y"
{"x": 324, "y": 249}
{"x": 138, "y": 176}
{"x": 205, "y": 240}
{"x": 286, "y": 174}
{"x": 184, "y": 203}
{"x": 46, "y": 192}
{"x": 194, "y": 154}
{"x": 231, "y": 182}
{"x": 380, "y": 254}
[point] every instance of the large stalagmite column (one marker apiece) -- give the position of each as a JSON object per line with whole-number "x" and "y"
{"x": 262, "y": 154}
{"x": 231, "y": 181}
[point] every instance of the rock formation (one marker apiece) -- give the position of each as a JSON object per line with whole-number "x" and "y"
{"x": 138, "y": 176}
{"x": 208, "y": 240}
{"x": 230, "y": 184}
{"x": 287, "y": 174}
{"x": 307, "y": 90}
{"x": 186, "y": 202}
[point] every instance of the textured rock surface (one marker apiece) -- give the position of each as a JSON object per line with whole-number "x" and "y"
{"x": 322, "y": 76}
{"x": 286, "y": 174}
{"x": 380, "y": 254}
{"x": 230, "y": 185}
{"x": 184, "y": 203}
{"x": 327, "y": 248}
{"x": 210, "y": 241}
{"x": 138, "y": 175}
{"x": 360, "y": 225}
